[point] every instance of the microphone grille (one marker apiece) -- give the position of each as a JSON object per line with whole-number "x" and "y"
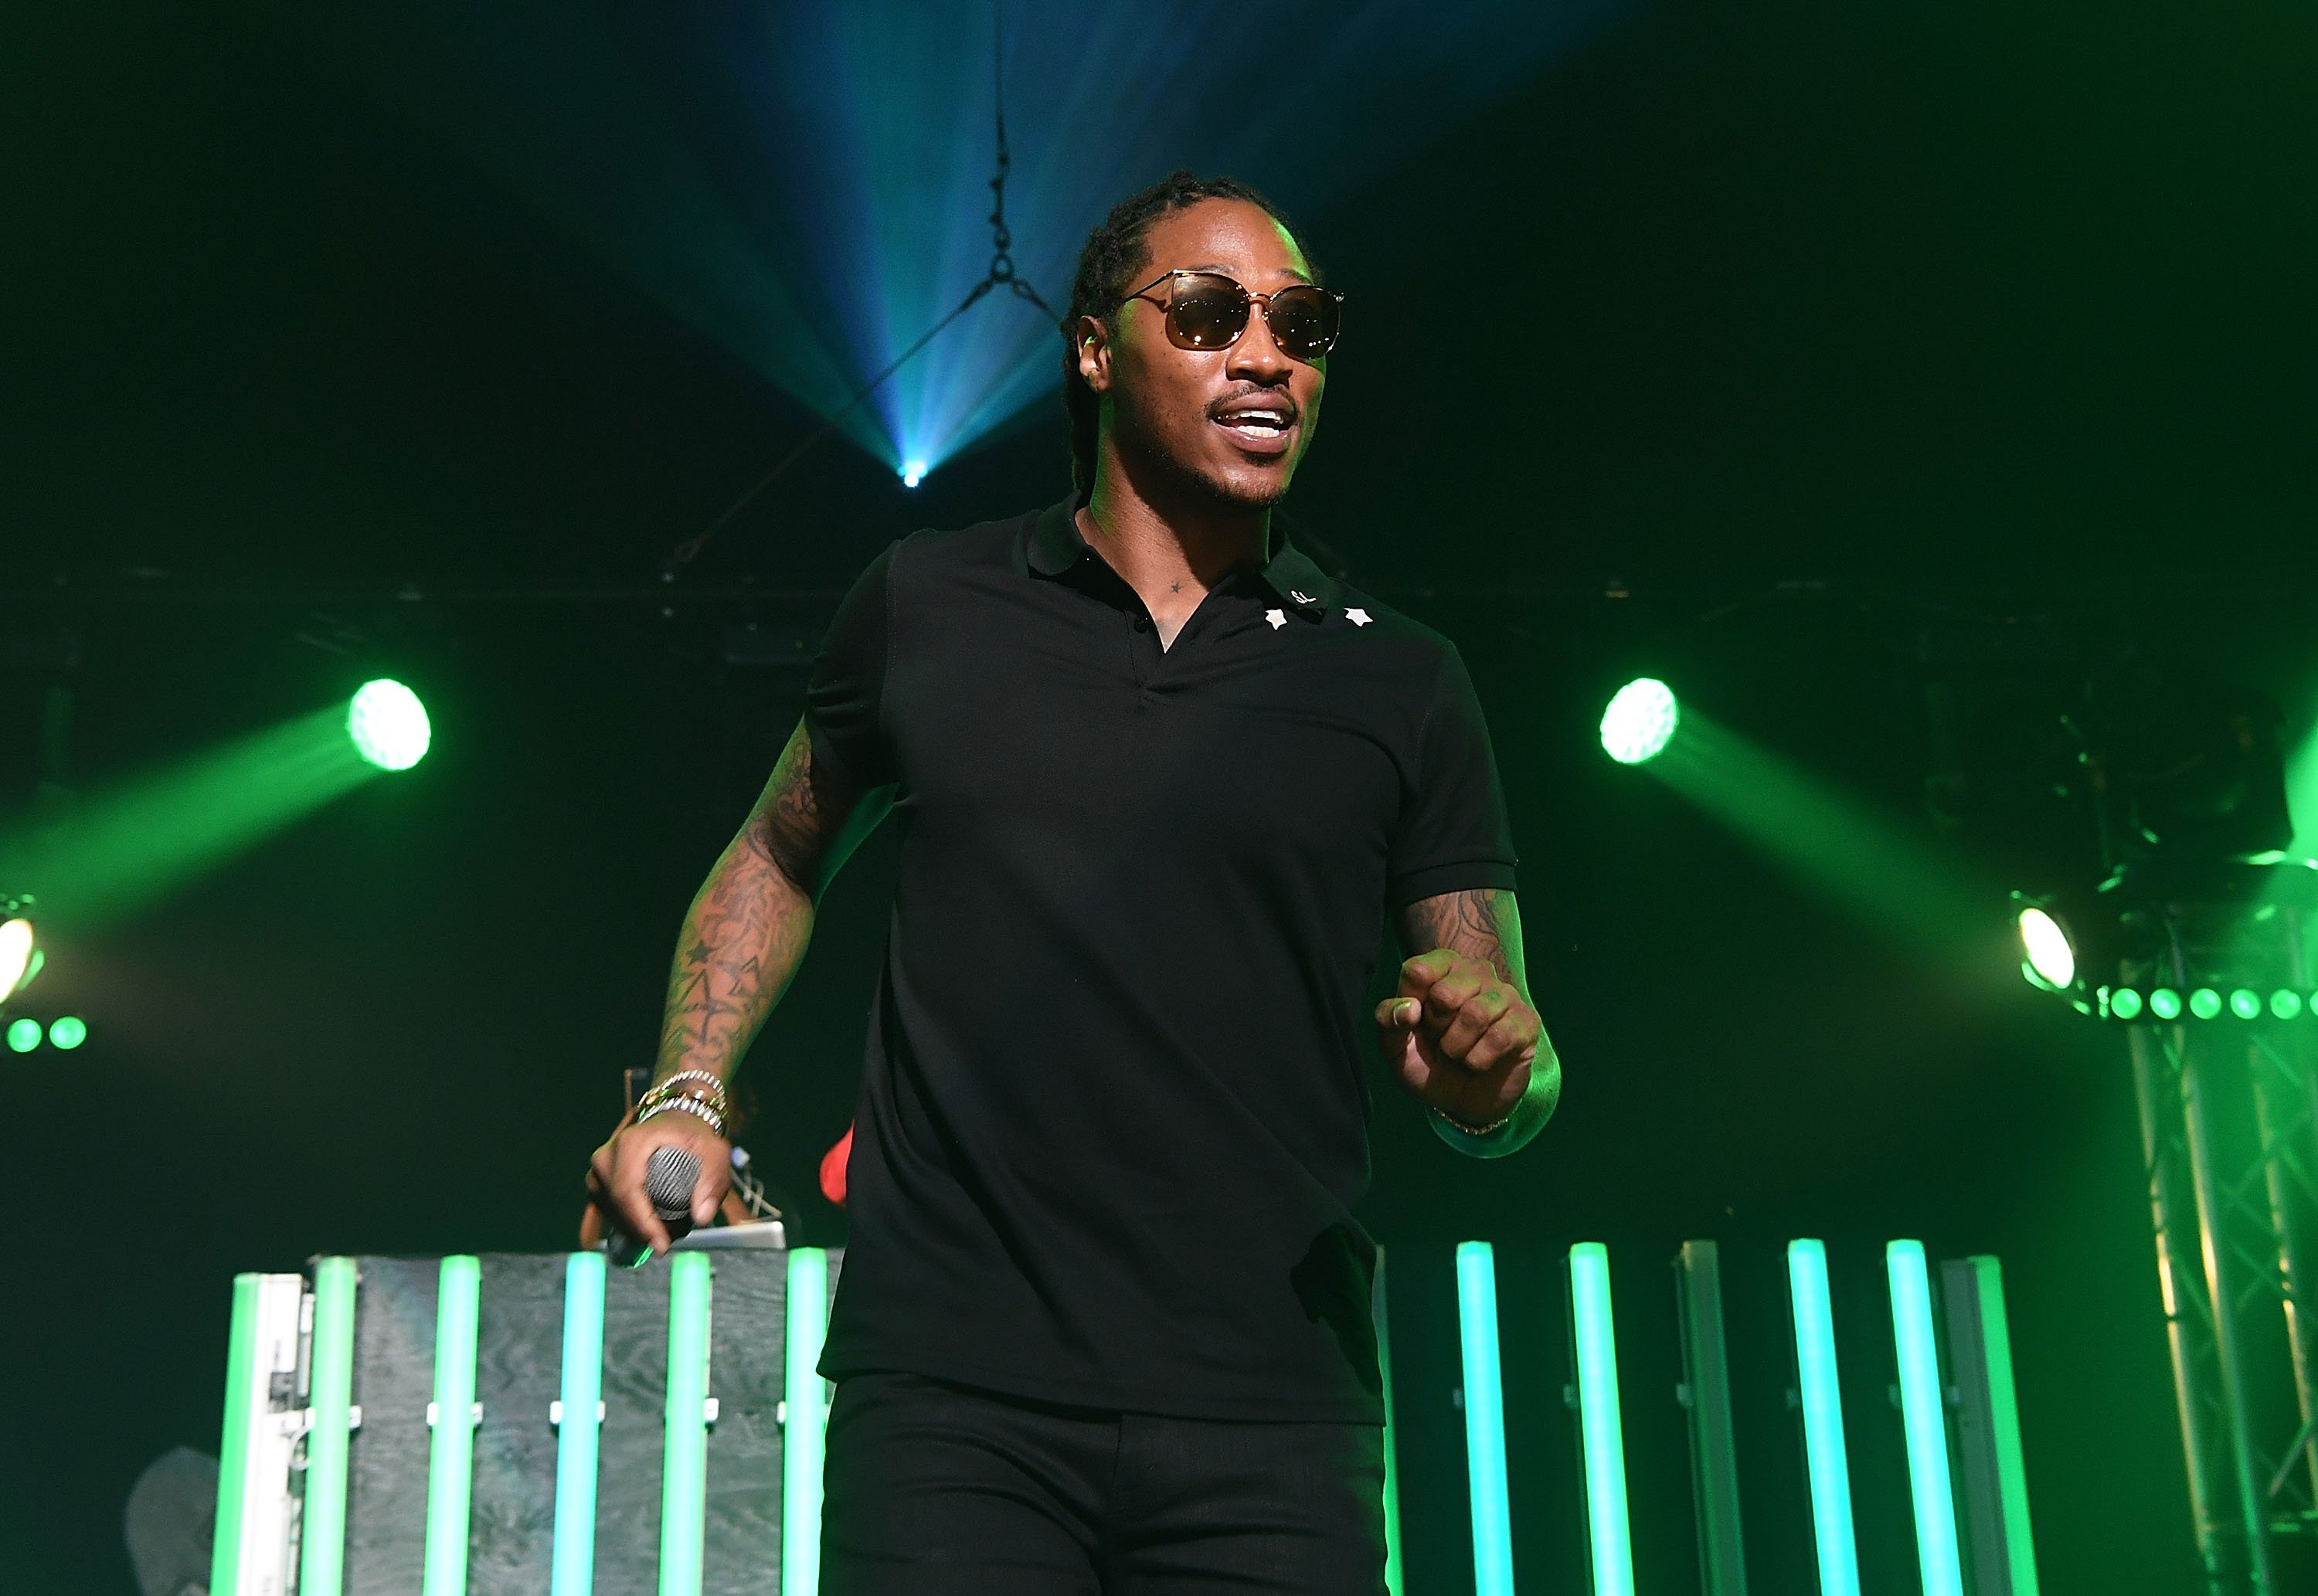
{"x": 669, "y": 1181}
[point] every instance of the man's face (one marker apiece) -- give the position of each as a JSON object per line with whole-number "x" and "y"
{"x": 1233, "y": 422}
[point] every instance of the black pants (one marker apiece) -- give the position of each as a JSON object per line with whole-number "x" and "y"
{"x": 934, "y": 1489}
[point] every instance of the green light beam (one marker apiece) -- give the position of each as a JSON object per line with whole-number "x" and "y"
{"x": 120, "y": 853}
{"x": 1871, "y": 864}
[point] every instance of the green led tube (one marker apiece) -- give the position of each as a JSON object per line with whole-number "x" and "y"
{"x": 1485, "y": 1419}
{"x": 1923, "y": 1411}
{"x": 684, "y": 1449}
{"x": 808, "y": 1415}
{"x": 450, "y": 1456}
{"x": 572, "y": 1571}
{"x": 329, "y": 1401}
{"x": 1383, "y": 1321}
{"x": 1602, "y": 1442}
{"x": 1822, "y": 1410}
{"x": 233, "y": 1446}
{"x": 2011, "y": 1463}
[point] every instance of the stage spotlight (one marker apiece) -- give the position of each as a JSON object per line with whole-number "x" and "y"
{"x": 913, "y": 472}
{"x": 2246, "y": 1004}
{"x": 23, "y": 1035}
{"x": 2285, "y": 1005}
{"x": 2165, "y": 1003}
{"x": 67, "y": 1032}
{"x": 388, "y": 725}
{"x": 2205, "y": 1002}
{"x": 18, "y": 952}
{"x": 2125, "y": 1003}
{"x": 2052, "y": 956}
{"x": 1640, "y": 720}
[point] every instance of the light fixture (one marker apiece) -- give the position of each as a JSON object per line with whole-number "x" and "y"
{"x": 1821, "y": 1398}
{"x": 67, "y": 1032}
{"x": 19, "y": 947}
{"x": 2052, "y": 961}
{"x": 2286, "y": 1003}
{"x": 388, "y": 724}
{"x": 23, "y": 1035}
{"x": 2125, "y": 1003}
{"x": 322, "y": 1534}
{"x": 913, "y": 472}
{"x": 1640, "y": 722}
{"x": 2205, "y": 1002}
{"x": 1485, "y": 1419}
{"x": 451, "y": 1452}
{"x": 1923, "y": 1412}
{"x": 577, "y": 1430}
{"x": 1601, "y": 1434}
{"x": 2165, "y": 1003}
{"x": 684, "y": 1446}
{"x": 805, "y": 1424}
{"x": 2246, "y": 1004}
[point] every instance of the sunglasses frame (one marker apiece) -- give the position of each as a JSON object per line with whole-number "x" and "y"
{"x": 1259, "y": 302}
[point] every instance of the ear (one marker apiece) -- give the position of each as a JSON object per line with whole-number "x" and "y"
{"x": 1094, "y": 354}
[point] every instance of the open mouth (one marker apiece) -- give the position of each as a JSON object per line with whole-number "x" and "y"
{"x": 1260, "y": 429}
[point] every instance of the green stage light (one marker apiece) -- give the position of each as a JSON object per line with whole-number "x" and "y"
{"x": 17, "y": 949}
{"x": 388, "y": 725}
{"x": 2205, "y": 1002}
{"x": 68, "y": 1032}
{"x": 2052, "y": 957}
{"x": 1640, "y": 722}
{"x": 2125, "y": 1003}
{"x": 2245, "y": 1004}
{"x": 23, "y": 1035}
{"x": 2165, "y": 1003}
{"x": 2285, "y": 1005}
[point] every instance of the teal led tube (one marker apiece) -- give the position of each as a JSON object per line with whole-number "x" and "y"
{"x": 1485, "y": 1419}
{"x": 1822, "y": 1409}
{"x": 1923, "y": 1411}
{"x": 684, "y": 1450}
{"x": 1603, "y": 1441}
{"x": 572, "y": 1571}
{"x": 322, "y": 1533}
{"x": 451, "y": 1457}
{"x": 808, "y": 1416}
{"x": 233, "y": 1443}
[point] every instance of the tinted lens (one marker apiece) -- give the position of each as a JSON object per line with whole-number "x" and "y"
{"x": 1303, "y": 322}
{"x": 1205, "y": 312}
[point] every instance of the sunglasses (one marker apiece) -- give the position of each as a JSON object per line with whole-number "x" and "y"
{"x": 1208, "y": 310}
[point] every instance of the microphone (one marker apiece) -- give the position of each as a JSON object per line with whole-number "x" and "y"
{"x": 668, "y": 1179}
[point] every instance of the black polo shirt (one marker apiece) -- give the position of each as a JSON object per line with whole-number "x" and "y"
{"x": 1113, "y": 1119}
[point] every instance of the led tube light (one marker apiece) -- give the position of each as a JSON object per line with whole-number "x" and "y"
{"x": 1822, "y": 1411}
{"x": 1713, "y": 1445}
{"x": 684, "y": 1452}
{"x": 322, "y": 1532}
{"x": 572, "y": 1572}
{"x": 233, "y": 1446}
{"x": 1922, "y": 1411}
{"x": 1377, "y": 1308}
{"x": 1987, "y": 1429}
{"x": 1485, "y": 1419}
{"x": 1603, "y": 1444}
{"x": 450, "y": 1454}
{"x": 808, "y": 1415}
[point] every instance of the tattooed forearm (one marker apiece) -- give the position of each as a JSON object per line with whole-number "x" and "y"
{"x": 1483, "y": 924}
{"x": 747, "y": 927}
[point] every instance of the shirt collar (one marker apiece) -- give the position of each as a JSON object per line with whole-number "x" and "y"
{"x": 1054, "y": 546}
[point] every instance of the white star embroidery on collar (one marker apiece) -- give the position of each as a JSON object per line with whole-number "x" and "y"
{"x": 1278, "y": 618}
{"x": 1358, "y": 617}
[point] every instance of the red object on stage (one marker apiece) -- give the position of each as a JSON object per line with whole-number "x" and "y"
{"x": 832, "y": 1167}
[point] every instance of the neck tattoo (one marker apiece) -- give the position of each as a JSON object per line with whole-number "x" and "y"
{"x": 1175, "y": 587}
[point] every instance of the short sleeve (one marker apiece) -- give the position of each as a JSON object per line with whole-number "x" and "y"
{"x": 1453, "y": 834}
{"x": 844, "y": 703}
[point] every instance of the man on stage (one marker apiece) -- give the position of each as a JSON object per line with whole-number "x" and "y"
{"x": 1103, "y": 1325}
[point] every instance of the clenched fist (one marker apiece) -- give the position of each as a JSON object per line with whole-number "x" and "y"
{"x": 1459, "y": 1036}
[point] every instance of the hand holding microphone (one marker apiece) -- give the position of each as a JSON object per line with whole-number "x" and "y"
{"x": 662, "y": 1174}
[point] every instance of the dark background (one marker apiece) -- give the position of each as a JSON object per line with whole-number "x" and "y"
{"x": 1999, "y": 308}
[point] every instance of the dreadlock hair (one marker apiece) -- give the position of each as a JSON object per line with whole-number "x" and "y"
{"x": 1115, "y": 253}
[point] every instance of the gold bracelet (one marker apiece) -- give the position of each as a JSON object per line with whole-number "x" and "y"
{"x": 1455, "y": 1123}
